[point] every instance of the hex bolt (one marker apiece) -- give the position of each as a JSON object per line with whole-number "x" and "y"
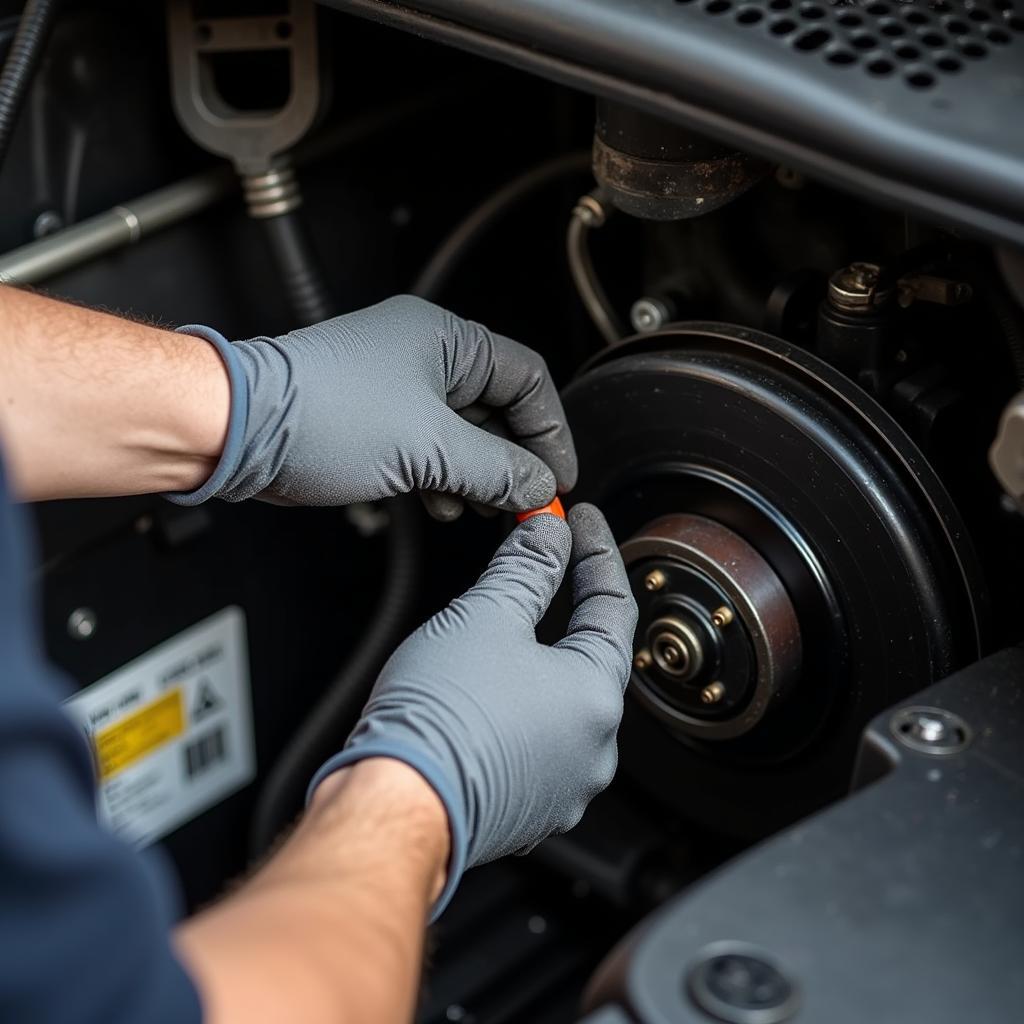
{"x": 642, "y": 660}
{"x": 712, "y": 693}
{"x": 722, "y": 616}
{"x": 81, "y": 623}
{"x": 929, "y": 730}
{"x": 654, "y": 580}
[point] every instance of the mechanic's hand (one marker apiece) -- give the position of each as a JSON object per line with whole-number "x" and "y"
{"x": 514, "y": 736}
{"x": 365, "y": 406}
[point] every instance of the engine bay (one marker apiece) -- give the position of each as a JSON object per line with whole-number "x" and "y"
{"x": 788, "y": 337}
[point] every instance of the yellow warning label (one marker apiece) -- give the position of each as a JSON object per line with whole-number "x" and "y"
{"x": 140, "y": 733}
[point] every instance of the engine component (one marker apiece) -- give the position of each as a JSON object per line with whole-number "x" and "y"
{"x": 722, "y": 640}
{"x": 278, "y": 54}
{"x": 591, "y": 212}
{"x": 811, "y": 565}
{"x": 925, "y": 856}
{"x": 660, "y": 171}
{"x": 20, "y": 64}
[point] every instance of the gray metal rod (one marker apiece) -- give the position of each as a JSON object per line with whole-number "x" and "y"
{"x": 112, "y": 229}
{"x": 128, "y": 222}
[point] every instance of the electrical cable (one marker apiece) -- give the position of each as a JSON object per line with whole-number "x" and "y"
{"x": 589, "y": 213}
{"x": 26, "y": 48}
{"x": 332, "y": 717}
{"x": 439, "y": 268}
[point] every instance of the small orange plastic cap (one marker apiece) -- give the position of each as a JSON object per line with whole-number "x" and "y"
{"x": 553, "y": 509}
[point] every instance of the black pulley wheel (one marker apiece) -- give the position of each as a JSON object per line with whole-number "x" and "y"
{"x": 798, "y": 566}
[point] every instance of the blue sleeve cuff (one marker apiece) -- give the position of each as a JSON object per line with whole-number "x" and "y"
{"x": 237, "y": 418}
{"x": 432, "y": 774}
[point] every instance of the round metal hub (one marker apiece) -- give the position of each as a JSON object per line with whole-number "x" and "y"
{"x": 722, "y": 635}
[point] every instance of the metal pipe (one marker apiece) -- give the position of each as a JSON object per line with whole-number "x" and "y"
{"x": 590, "y": 213}
{"x": 127, "y": 223}
{"x": 123, "y": 225}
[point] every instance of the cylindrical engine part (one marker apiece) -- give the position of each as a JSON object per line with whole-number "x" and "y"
{"x": 657, "y": 170}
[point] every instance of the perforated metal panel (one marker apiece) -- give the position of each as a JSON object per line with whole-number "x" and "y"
{"x": 917, "y": 104}
{"x": 919, "y": 43}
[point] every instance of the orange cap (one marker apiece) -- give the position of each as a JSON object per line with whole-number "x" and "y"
{"x": 553, "y": 509}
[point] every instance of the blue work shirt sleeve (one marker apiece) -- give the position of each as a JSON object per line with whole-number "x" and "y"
{"x": 84, "y": 919}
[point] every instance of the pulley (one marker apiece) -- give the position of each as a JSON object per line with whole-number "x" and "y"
{"x": 797, "y": 564}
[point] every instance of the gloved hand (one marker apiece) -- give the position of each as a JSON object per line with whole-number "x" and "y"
{"x": 365, "y": 406}
{"x": 514, "y": 736}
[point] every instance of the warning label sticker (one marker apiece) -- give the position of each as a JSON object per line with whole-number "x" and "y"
{"x": 172, "y": 731}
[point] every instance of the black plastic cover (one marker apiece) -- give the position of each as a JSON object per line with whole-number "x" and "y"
{"x": 916, "y": 104}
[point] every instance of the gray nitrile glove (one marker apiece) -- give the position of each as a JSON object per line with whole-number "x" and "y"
{"x": 514, "y": 736}
{"x": 365, "y": 406}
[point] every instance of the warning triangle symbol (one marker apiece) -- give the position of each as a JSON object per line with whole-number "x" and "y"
{"x": 206, "y": 701}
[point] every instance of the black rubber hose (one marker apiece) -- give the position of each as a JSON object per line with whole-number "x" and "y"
{"x": 332, "y": 718}
{"x": 29, "y": 40}
{"x": 300, "y": 272}
{"x": 439, "y": 268}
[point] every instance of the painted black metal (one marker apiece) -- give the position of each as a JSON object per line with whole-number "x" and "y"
{"x": 902, "y": 903}
{"x": 948, "y": 147}
{"x": 747, "y": 430}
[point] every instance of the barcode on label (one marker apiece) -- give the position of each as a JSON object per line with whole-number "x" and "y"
{"x": 204, "y": 752}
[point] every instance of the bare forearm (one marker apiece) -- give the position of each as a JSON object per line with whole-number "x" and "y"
{"x": 92, "y": 404}
{"x": 331, "y": 929}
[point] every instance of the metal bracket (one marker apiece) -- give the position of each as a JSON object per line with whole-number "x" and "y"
{"x": 249, "y": 138}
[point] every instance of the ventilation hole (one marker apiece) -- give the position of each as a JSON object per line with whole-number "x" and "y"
{"x": 907, "y": 52}
{"x": 881, "y": 67}
{"x": 749, "y": 15}
{"x": 850, "y": 20}
{"x": 863, "y": 41}
{"x": 917, "y": 18}
{"x": 879, "y": 10}
{"x": 979, "y": 14}
{"x": 808, "y": 42}
{"x": 717, "y": 6}
{"x": 973, "y": 50}
{"x": 891, "y": 28}
{"x": 957, "y": 27}
{"x": 783, "y": 26}
{"x": 780, "y": 5}
{"x": 997, "y": 35}
{"x": 684, "y": 1}
{"x": 948, "y": 63}
{"x": 920, "y": 79}
{"x": 841, "y": 57}
{"x": 933, "y": 39}
{"x": 812, "y": 12}
{"x": 1015, "y": 21}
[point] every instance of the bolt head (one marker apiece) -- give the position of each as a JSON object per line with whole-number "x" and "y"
{"x": 930, "y": 730}
{"x": 648, "y": 315}
{"x": 654, "y": 580}
{"x": 722, "y": 616}
{"x": 642, "y": 660}
{"x": 81, "y": 623}
{"x": 712, "y": 693}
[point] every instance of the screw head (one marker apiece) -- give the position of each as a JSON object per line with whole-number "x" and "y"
{"x": 738, "y": 984}
{"x": 712, "y": 693}
{"x": 654, "y": 580}
{"x": 932, "y": 731}
{"x": 81, "y": 623}
{"x": 722, "y": 616}
{"x": 642, "y": 660}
